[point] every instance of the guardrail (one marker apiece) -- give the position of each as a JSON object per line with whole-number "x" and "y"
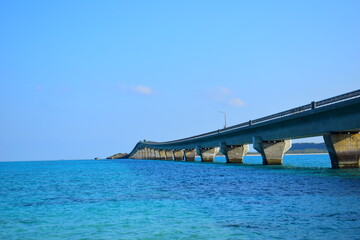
{"x": 293, "y": 111}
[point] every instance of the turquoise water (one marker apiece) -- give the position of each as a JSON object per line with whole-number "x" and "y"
{"x": 140, "y": 199}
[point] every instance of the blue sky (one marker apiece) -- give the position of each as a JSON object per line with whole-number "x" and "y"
{"x": 81, "y": 79}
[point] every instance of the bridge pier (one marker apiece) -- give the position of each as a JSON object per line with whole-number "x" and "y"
{"x": 207, "y": 154}
{"x": 157, "y": 154}
{"x": 190, "y": 155}
{"x": 162, "y": 155}
{"x": 178, "y": 155}
{"x": 169, "y": 155}
{"x": 141, "y": 154}
{"x": 147, "y": 153}
{"x": 234, "y": 153}
{"x": 152, "y": 154}
{"x": 344, "y": 149}
{"x": 272, "y": 152}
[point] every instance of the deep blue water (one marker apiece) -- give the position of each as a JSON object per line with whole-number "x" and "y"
{"x": 139, "y": 199}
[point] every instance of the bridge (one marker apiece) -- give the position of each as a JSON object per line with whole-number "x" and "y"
{"x": 337, "y": 119}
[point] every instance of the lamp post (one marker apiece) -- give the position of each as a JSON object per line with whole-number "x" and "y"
{"x": 224, "y": 117}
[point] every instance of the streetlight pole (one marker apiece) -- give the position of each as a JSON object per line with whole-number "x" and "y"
{"x": 224, "y": 117}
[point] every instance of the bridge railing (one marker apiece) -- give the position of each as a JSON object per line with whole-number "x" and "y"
{"x": 293, "y": 111}
{"x": 283, "y": 114}
{"x": 339, "y": 98}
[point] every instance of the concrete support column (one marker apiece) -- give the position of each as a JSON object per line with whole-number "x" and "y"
{"x": 162, "y": 154}
{"x": 169, "y": 155}
{"x": 272, "y": 152}
{"x": 207, "y": 154}
{"x": 146, "y": 153}
{"x": 178, "y": 155}
{"x": 152, "y": 154}
{"x": 344, "y": 149}
{"x": 190, "y": 155}
{"x": 143, "y": 153}
{"x": 234, "y": 153}
{"x": 157, "y": 154}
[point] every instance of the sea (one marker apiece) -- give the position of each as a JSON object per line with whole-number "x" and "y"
{"x": 153, "y": 200}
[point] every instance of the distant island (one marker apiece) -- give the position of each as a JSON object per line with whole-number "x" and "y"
{"x": 308, "y": 148}
{"x": 303, "y": 148}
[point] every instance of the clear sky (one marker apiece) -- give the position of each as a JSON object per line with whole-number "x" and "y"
{"x": 85, "y": 79}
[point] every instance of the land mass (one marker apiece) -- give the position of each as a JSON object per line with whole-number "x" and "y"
{"x": 303, "y": 148}
{"x": 308, "y": 148}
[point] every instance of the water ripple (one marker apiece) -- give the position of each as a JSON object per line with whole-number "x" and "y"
{"x": 171, "y": 200}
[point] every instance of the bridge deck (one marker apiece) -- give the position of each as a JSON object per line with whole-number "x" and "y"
{"x": 340, "y": 114}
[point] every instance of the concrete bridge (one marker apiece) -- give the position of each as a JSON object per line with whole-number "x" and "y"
{"x": 337, "y": 119}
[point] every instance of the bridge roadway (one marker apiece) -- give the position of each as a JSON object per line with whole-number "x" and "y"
{"x": 337, "y": 119}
